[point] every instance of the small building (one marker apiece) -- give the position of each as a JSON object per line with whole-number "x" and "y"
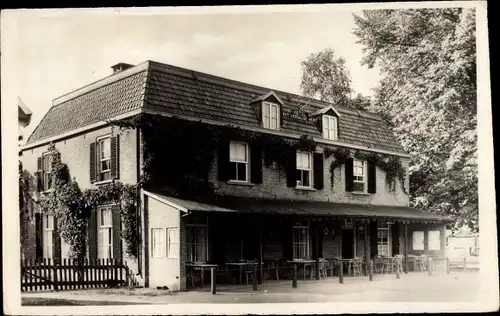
{"x": 228, "y": 171}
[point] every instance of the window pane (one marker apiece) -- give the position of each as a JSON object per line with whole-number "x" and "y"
{"x": 233, "y": 171}
{"x": 105, "y": 148}
{"x": 105, "y": 165}
{"x": 305, "y": 178}
{"x": 242, "y": 172}
{"x": 358, "y": 186}
{"x": 238, "y": 152}
{"x": 274, "y": 123}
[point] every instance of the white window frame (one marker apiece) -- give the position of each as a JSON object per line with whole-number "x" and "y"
{"x": 434, "y": 244}
{"x": 191, "y": 247}
{"x": 239, "y": 161}
{"x": 302, "y": 169}
{"x": 48, "y": 236}
{"x": 47, "y": 171}
{"x": 359, "y": 178}
{"x": 173, "y": 243}
{"x": 418, "y": 240}
{"x": 102, "y": 172}
{"x": 385, "y": 229}
{"x": 160, "y": 242}
{"x": 305, "y": 245}
{"x": 267, "y": 115}
{"x": 105, "y": 251}
{"x": 330, "y": 127}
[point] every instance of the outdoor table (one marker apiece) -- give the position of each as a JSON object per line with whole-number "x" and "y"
{"x": 240, "y": 265}
{"x": 305, "y": 263}
{"x": 200, "y": 267}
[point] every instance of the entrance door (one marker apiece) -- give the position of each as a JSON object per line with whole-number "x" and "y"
{"x": 347, "y": 243}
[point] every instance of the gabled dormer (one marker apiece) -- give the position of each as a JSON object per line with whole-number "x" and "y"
{"x": 328, "y": 119}
{"x": 269, "y": 110}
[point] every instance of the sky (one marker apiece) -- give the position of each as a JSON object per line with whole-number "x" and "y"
{"x": 56, "y": 54}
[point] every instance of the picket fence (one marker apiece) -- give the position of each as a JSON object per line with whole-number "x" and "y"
{"x": 66, "y": 274}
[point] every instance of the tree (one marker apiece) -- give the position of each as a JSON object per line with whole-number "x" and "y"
{"x": 324, "y": 76}
{"x": 428, "y": 93}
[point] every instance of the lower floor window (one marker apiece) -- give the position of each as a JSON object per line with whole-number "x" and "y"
{"x": 383, "y": 242}
{"x": 48, "y": 236}
{"x": 105, "y": 240}
{"x": 300, "y": 242}
{"x": 197, "y": 243}
{"x": 172, "y": 242}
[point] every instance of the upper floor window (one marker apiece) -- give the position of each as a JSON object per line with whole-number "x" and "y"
{"x": 359, "y": 175}
{"x": 238, "y": 157}
{"x": 304, "y": 166}
{"x": 270, "y": 115}
{"x": 47, "y": 172}
{"x": 330, "y": 127}
{"x": 104, "y": 158}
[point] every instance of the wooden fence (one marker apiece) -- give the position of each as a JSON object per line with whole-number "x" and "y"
{"x": 43, "y": 274}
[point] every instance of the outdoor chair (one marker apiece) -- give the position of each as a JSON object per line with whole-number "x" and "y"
{"x": 397, "y": 263}
{"x": 249, "y": 275}
{"x": 322, "y": 269}
{"x": 356, "y": 267}
{"x": 329, "y": 267}
{"x": 422, "y": 263}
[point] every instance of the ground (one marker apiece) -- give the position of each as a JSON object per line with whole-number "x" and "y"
{"x": 460, "y": 286}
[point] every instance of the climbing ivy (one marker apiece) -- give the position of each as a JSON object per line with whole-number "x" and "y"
{"x": 341, "y": 155}
{"x": 72, "y": 208}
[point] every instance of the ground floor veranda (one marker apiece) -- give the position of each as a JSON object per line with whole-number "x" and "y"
{"x": 256, "y": 245}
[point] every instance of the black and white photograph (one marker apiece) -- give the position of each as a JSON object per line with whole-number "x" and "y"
{"x": 274, "y": 159}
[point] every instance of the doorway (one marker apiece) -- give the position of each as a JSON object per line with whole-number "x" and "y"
{"x": 348, "y": 243}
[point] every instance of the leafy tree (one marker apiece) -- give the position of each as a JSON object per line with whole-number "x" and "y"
{"x": 428, "y": 93}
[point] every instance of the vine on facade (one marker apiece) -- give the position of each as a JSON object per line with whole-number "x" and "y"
{"x": 341, "y": 155}
{"x": 72, "y": 208}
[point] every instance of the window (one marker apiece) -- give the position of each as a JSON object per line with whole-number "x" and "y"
{"x": 329, "y": 127}
{"x": 104, "y": 159}
{"x": 238, "y": 157}
{"x": 197, "y": 243}
{"x": 434, "y": 240}
{"x": 105, "y": 233}
{"x": 173, "y": 242}
{"x": 270, "y": 115}
{"x": 47, "y": 172}
{"x": 48, "y": 237}
{"x": 358, "y": 175}
{"x": 418, "y": 240}
{"x": 301, "y": 241}
{"x": 304, "y": 169}
{"x": 383, "y": 239}
{"x": 158, "y": 242}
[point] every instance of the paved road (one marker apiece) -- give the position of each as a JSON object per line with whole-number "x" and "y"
{"x": 414, "y": 287}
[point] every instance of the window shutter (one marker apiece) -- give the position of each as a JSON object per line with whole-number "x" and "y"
{"x": 258, "y": 111}
{"x": 291, "y": 172}
{"x": 280, "y": 111}
{"x": 373, "y": 239}
{"x": 287, "y": 237}
{"x": 39, "y": 235}
{"x": 115, "y": 157}
{"x": 395, "y": 238}
{"x": 372, "y": 177}
{"x": 318, "y": 171}
{"x": 256, "y": 164}
{"x": 92, "y": 229}
{"x": 223, "y": 161}
{"x": 39, "y": 175}
{"x": 349, "y": 175}
{"x": 93, "y": 162}
{"x": 117, "y": 240}
{"x": 57, "y": 242}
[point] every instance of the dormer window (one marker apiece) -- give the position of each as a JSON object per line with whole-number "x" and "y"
{"x": 330, "y": 127}
{"x": 270, "y": 115}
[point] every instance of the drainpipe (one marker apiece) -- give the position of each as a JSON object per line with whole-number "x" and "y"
{"x": 138, "y": 200}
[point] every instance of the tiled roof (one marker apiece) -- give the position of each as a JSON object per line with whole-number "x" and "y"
{"x": 188, "y": 93}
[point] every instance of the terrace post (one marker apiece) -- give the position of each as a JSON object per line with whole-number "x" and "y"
{"x": 341, "y": 273}
{"x": 447, "y": 265}
{"x": 429, "y": 266}
{"x": 294, "y": 281}
{"x": 317, "y": 252}
{"x": 397, "y": 271}
{"x": 371, "y": 270}
{"x": 367, "y": 249}
{"x": 213, "y": 279}
{"x": 406, "y": 248}
{"x": 254, "y": 279}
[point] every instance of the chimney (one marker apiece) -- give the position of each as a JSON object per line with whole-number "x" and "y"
{"x": 121, "y": 67}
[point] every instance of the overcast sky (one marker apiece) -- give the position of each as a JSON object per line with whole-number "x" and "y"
{"x": 57, "y": 54}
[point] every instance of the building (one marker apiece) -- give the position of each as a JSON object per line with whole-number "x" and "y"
{"x": 233, "y": 171}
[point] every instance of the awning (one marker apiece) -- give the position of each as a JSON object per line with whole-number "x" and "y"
{"x": 231, "y": 204}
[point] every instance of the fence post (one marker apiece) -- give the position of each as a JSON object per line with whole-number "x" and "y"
{"x": 294, "y": 281}
{"x": 429, "y": 266}
{"x": 371, "y": 270}
{"x": 54, "y": 271}
{"x": 341, "y": 273}
{"x": 254, "y": 278}
{"x": 213, "y": 279}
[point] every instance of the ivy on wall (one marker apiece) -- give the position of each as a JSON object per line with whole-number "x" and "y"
{"x": 72, "y": 208}
{"x": 341, "y": 155}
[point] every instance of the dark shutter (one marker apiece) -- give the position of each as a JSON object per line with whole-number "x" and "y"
{"x": 92, "y": 229}
{"x": 57, "y": 242}
{"x": 39, "y": 175}
{"x": 318, "y": 171}
{"x": 256, "y": 164}
{"x": 223, "y": 161}
{"x": 395, "y": 238}
{"x": 258, "y": 110}
{"x": 287, "y": 237}
{"x": 39, "y": 235}
{"x": 117, "y": 227}
{"x": 372, "y": 178}
{"x": 93, "y": 162}
{"x": 280, "y": 110}
{"x": 291, "y": 171}
{"x": 115, "y": 157}
{"x": 373, "y": 238}
{"x": 349, "y": 175}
